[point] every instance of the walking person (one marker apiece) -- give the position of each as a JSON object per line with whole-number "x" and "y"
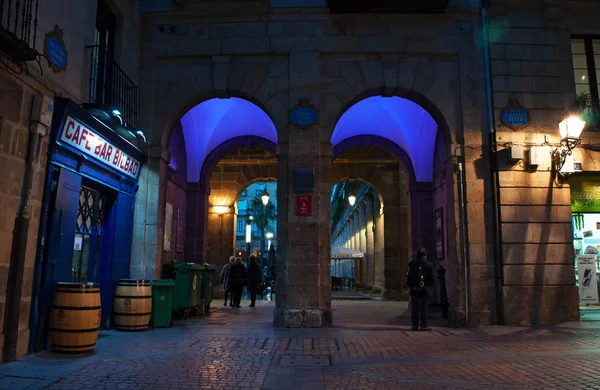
{"x": 225, "y": 280}
{"x": 254, "y": 279}
{"x": 237, "y": 280}
{"x": 420, "y": 281}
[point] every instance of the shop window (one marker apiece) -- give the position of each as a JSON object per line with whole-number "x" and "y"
{"x": 586, "y": 67}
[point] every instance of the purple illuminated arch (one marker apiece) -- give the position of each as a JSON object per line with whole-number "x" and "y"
{"x": 215, "y": 121}
{"x": 399, "y": 120}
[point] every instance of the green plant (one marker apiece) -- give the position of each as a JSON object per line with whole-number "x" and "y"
{"x": 588, "y": 111}
{"x": 262, "y": 217}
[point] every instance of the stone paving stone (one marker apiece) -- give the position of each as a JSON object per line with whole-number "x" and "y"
{"x": 239, "y": 350}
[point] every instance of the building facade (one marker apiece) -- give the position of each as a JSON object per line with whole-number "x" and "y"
{"x": 54, "y": 59}
{"x": 448, "y": 110}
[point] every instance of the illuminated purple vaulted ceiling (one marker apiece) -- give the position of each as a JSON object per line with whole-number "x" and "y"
{"x": 399, "y": 120}
{"x": 215, "y": 121}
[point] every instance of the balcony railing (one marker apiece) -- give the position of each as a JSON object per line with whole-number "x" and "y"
{"x": 109, "y": 85}
{"x": 18, "y": 28}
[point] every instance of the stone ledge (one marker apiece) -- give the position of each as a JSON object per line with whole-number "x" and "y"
{"x": 314, "y": 317}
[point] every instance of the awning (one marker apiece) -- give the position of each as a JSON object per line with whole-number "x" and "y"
{"x": 338, "y": 252}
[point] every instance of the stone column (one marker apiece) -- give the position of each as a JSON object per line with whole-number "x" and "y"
{"x": 378, "y": 243}
{"x": 369, "y": 238}
{"x": 352, "y": 233}
{"x": 220, "y": 230}
{"x": 362, "y": 245}
{"x": 304, "y": 242}
{"x": 149, "y": 217}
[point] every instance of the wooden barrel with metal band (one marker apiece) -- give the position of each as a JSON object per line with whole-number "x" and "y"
{"x": 133, "y": 304}
{"x": 75, "y": 317}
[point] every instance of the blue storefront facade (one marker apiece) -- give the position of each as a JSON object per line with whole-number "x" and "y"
{"x": 86, "y": 227}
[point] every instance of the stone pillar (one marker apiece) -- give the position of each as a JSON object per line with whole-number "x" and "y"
{"x": 304, "y": 242}
{"x": 148, "y": 218}
{"x": 196, "y": 223}
{"x": 378, "y": 243}
{"x": 362, "y": 231}
{"x": 369, "y": 238}
{"x": 220, "y": 230}
{"x": 351, "y": 230}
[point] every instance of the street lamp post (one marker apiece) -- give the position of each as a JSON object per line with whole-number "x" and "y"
{"x": 248, "y": 235}
{"x": 265, "y": 201}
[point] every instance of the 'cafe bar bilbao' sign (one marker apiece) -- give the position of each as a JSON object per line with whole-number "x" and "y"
{"x": 74, "y": 133}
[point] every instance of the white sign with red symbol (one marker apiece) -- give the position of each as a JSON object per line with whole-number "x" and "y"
{"x": 77, "y": 135}
{"x": 586, "y": 277}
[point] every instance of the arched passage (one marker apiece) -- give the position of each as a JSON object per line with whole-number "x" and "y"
{"x": 398, "y": 147}
{"x": 191, "y": 152}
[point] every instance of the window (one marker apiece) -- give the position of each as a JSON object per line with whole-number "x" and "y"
{"x": 586, "y": 65}
{"x": 240, "y": 228}
{"x": 242, "y": 206}
{"x": 103, "y": 54}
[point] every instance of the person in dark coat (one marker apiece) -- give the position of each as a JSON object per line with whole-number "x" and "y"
{"x": 237, "y": 280}
{"x": 225, "y": 280}
{"x": 420, "y": 281}
{"x": 254, "y": 279}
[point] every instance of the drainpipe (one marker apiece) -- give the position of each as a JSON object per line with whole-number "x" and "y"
{"x": 463, "y": 236}
{"x": 493, "y": 163}
{"x": 41, "y": 112}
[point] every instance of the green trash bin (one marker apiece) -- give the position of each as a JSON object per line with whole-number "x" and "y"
{"x": 188, "y": 279}
{"x": 162, "y": 302}
{"x": 208, "y": 274}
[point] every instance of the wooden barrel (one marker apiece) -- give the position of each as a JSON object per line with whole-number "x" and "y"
{"x": 75, "y": 317}
{"x": 133, "y": 304}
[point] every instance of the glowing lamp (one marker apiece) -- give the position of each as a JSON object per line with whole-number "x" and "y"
{"x": 269, "y": 235}
{"x": 571, "y": 127}
{"x": 220, "y": 209}
{"x": 352, "y": 199}
{"x": 265, "y": 197}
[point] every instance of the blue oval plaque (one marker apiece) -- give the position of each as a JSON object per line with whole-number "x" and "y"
{"x": 56, "y": 52}
{"x": 304, "y": 116}
{"x": 515, "y": 117}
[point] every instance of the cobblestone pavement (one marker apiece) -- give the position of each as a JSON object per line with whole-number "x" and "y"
{"x": 370, "y": 348}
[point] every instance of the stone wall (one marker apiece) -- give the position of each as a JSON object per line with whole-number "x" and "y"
{"x": 16, "y": 96}
{"x": 531, "y": 63}
{"x": 333, "y": 62}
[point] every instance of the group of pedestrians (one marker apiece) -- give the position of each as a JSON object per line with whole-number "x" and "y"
{"x": 420, "y": 280}
{"x": 235, "y": 276}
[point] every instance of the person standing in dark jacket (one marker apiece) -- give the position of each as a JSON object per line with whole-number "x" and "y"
{"x": 420, "y": 281}
{"x": 237, "y": 280}
{"x": 225, "y": 280}
{"x": 254, "y": 279}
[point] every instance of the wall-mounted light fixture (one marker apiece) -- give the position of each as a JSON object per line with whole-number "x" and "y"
{"x": 220, "y": 210}
{"x": 570, "y": 130}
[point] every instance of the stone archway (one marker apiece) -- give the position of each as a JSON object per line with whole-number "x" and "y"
{"x": 410, "y": 134}
{"x": 371, "y": 160}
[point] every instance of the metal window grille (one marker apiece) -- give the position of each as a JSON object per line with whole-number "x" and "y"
{"x": 91, "y": 212}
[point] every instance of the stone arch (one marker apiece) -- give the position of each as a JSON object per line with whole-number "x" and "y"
{"x": 391, "y": 182}
{"x": 227, "y": 147}
{"x": 205, "y": 243}
{"x": 380, "y": 143}
{"x": 360, "y": 180}
{"x": 201, "y": 97}
{"x": 405, "y": 93}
